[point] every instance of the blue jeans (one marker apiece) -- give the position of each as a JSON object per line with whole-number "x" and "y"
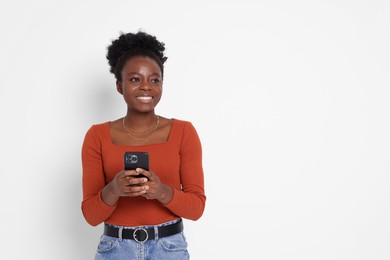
{"x": 173, "y": 247}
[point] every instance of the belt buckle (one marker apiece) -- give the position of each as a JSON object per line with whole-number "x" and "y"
{"x": 135, "y": 235}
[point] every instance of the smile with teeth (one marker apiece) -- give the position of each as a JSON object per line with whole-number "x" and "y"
{"x": 145, "y": 98}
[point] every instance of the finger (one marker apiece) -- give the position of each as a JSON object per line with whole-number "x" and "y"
{"x": 129, "y": 173}
{"x": 135, "y": 191}
{"x": 134, "y": 194}
{"x": 136, "y": 188}
{"x": 147, "y": 196}
{"x": 147, "y": 174}
{"x": 135, "y": 181}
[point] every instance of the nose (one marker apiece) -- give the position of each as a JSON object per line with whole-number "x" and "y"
{"x": 145, "y": 86}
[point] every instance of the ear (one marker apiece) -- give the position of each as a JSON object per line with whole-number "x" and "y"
{"x": 119, "y": 87}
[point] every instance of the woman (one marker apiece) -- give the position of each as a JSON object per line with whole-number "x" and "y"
{"x": 142, "y": 209}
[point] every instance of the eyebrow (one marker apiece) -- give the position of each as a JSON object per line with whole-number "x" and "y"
{"x": 136, "y": 73}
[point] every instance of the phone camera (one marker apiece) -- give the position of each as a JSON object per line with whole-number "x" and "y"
{"x": 131, "y": 158}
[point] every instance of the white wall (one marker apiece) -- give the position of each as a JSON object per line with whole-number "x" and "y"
{"x": 290, "y": 98}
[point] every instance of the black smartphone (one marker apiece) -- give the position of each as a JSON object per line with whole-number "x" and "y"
{"x": 134, "y": 160}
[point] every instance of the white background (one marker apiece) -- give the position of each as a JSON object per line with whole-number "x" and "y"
{"x": 290, "y": 99}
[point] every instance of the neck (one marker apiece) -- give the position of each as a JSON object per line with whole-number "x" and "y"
{"x": 139, "y": 122}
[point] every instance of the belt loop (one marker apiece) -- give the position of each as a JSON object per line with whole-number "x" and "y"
{"x": 120, "y": 233}
{"x": 155, "y": 232}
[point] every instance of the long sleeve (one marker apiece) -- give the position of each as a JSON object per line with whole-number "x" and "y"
{"x": 94, "y": 209}
{"x": 189, "y": 201}
{"x": 177, "y": 162}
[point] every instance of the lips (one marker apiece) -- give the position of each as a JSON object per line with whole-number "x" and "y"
{"x": 144, "y": 98}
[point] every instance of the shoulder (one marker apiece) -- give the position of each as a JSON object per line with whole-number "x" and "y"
{"x": 185, "y": 129}
{"x": 97, "y": 131}
{"x": 98, "y": 128}
{"x": 183, "y": 125}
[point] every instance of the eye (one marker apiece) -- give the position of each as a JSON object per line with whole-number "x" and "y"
{"x": 134, "y": 79}
{"x": 155, "y": 81}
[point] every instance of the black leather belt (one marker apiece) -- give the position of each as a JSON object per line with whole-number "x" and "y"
{"x": 142, "y": 234}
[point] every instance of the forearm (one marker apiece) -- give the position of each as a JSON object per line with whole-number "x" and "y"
{"x": 166, "y": 194}
{"x": 109, "y": 195}
{"x": 95, "y": 210}
{"x": 187, "y": 205}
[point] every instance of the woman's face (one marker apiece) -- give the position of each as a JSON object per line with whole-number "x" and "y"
{"x": 141, "y": 84}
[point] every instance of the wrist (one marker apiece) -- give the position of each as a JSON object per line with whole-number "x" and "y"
{"x": 166, "y": 194}
{"x": 110, "y": 194}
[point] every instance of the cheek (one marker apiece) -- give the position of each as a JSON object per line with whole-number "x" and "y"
{"x": 129, "y": 89}
{"x": 158, "y": 95}
{"x": 158, "y": 91}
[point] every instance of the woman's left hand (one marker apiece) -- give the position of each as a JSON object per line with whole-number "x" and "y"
{"x": 155, "y": 188}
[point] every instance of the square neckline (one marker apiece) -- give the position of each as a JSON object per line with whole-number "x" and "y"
{"x": 109, "y": 137}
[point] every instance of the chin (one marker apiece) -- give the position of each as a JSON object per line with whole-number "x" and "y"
{"x": 145, "y": 110}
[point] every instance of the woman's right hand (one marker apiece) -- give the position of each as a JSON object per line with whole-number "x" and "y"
{"x": 125, "y": 184}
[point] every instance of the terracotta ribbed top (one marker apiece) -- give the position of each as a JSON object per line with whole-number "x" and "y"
{"x": 177, "y": 162}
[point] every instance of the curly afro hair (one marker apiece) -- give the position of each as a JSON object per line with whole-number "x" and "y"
{"x": 129, "y": 45}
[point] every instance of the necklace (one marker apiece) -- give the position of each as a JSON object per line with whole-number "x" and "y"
{"x": 149, "y": 132}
